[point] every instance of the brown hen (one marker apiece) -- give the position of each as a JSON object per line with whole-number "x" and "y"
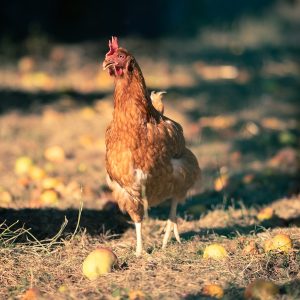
{"x": 146, "y": 157}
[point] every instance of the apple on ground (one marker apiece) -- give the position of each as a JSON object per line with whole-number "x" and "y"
{"x": 37, "y": 173}
{"x": 280, "y": 242}
{"x": 55, "y": 154}
{"x": 23, "y": 165}
{"x": 265, "y": 214}
{"x": 49, "y": 197}
{"x": 98, "y": 262}
{"x": 213, "y": 290}
{"x": 215, "y": 251}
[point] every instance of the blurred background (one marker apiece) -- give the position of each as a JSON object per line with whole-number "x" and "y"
{"x": 76, "y": 21}
{"x": 230, "y": 69}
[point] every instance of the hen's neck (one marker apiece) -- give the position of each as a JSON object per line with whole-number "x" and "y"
{"x": 132, "y": 103}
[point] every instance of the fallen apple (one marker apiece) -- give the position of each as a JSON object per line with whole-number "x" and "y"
{"x": 215, "y": 251}
{"x": 280, "y": 242}
{"x": 51, "y": 183}
{"x": 213, "y": 290}
{"x": 36, "y": 173}
{"x": 63, "y": 289}
{"x": 136, "y": 295}
{"x": 221, "y": 182}
{"x": 261, "y": 289}
{"x": 55, "y": 154}
{"x": 265, "y": 214}
{"x": 82, "y": 167}
{"x": 5, "y": 196}
{"x": 49, "y": 197}
{"x": 98, "y": 262}
{"x": 87, "y": 112}
{"x": 23, "y": 165}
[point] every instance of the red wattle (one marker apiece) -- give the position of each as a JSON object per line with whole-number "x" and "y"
{"x": 119, "y": 71}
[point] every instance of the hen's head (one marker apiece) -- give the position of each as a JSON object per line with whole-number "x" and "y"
{"x": 117, "y": 60}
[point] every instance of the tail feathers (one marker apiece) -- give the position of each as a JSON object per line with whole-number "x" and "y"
{"x": 156, "y": 98}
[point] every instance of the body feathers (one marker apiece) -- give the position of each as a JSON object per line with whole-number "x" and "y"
{"x": 146, "y": 156}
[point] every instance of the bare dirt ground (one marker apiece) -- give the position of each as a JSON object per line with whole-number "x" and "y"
{"x": 236, "y": 97}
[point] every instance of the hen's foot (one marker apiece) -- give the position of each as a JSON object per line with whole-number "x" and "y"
{"x": 171, "y": 225}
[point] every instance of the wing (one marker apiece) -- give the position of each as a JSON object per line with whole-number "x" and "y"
{"x": 166, "y": 137}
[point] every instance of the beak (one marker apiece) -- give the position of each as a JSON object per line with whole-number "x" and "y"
{"x": 107, "y": 63}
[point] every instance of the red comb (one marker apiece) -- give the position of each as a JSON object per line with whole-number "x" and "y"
{"x": 113, "y": 45}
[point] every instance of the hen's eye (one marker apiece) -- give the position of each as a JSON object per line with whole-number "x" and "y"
{"x": 121, "y": 56}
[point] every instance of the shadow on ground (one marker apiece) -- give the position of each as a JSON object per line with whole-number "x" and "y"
{"x": 236, "y": 229}
{"x": 223, "y": 96}
{"x": 29, "y": 101}
{"x": 264, "y": 189}
{"x": 233, "y": 292}
{"x": 45, "y": 223}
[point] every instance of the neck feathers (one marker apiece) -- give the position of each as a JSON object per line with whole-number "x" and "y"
{"x": 131, "y": 98}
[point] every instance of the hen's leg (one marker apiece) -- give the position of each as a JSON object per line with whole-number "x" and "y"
{"x": 146, "y": 207}
{"x": 139, "y": 242}
{"x": 136, "y": 211}
{"x": 171, "y": 224}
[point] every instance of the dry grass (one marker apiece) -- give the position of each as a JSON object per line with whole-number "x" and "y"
{"x": 54, "y": 267}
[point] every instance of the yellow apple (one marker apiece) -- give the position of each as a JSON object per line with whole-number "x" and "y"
{"x": 136, "y": 295}
{"x": 280, "y": 242}
{"x": 23, "y": 165}
{"x": 49, "y": 197}
{"x": 5, "y": 196}
{"x": 98, "y": 262}
{"x": 51, "y": 183}
{"x": 87, "y": 112}
{"x": 63, "y": 289}
{"x": 265, "y": 214}
{"x": 36, "y": 173}
{"x": 213, "y": 290}
{"x": 215, "y": 251}
{"x": 55, "y": 154}
{"x": 82, "y": 167}
{"x": 261, "y": 289}
{"x": 221, "y": 182}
